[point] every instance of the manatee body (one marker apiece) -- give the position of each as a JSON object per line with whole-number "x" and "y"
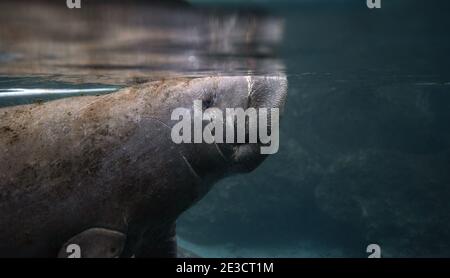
{"x": 102, "y": 172}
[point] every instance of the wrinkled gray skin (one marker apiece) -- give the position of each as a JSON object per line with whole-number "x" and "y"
{"x": 102, "y": 171}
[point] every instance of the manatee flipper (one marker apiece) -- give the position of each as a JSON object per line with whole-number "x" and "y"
{"x": 159, "y": 243}
{"x": 94, "y": 243}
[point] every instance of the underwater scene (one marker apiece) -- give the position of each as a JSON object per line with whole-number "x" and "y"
{"x": 363, "y": 157}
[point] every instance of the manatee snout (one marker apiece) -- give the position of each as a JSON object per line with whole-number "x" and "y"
{"x": 249, "y": 109}
{"x": 268, "y": 92}
{"x": 263, "y": 95}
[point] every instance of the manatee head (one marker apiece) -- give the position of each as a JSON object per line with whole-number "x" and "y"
{"x": 214, "y": 97}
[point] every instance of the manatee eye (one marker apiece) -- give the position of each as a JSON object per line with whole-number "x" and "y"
{"x": 208, "y": 101}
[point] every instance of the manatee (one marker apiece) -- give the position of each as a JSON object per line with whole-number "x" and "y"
{"x": 102, "y": 173}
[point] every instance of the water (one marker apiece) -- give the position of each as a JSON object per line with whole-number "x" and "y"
{"x": 365, "y": 140}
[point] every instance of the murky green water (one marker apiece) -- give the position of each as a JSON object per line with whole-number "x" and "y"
{"x": 364, "y": 156}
